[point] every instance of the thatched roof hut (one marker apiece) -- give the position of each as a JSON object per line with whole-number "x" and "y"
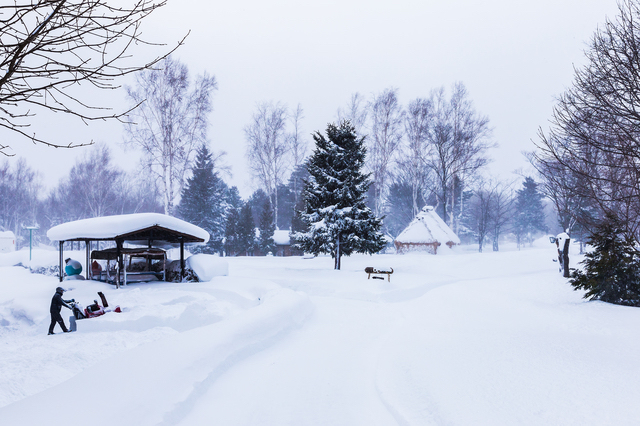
{"x": 426, "y": 232}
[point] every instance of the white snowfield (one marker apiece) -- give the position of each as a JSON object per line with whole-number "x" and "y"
{"x": 466, "y": 339}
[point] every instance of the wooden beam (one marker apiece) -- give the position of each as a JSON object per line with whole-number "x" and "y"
{"x": 181, "y": 259}
{"x": 87, "y": 246}
{"x": 119, "y": 260}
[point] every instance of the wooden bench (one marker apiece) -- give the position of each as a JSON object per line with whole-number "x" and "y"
{"x": 378, "y": 274}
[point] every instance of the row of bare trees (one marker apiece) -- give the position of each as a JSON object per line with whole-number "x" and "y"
{"x": 436, "y": 144}
{"x": 94, "y": 186}
{"x": 276, "y": 147}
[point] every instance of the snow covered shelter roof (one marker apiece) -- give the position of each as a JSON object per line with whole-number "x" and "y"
{"x": 427, "y": 227}
{"x": 130, "y": 227}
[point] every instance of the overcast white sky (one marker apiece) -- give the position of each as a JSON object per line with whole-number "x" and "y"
{"x": 513, "y": 56}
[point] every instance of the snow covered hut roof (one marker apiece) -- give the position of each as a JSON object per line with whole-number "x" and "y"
{"x": 130, "y": 227}
{"x": 427, "y": 227}
{"x": 281, "y": 237}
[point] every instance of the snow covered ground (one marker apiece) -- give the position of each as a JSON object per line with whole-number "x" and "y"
{"x": 467, "y": 339}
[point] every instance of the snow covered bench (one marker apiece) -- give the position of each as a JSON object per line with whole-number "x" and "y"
{"x": 378, "y": 273}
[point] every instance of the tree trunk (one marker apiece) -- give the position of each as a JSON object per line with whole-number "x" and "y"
{"x": 565, "y": 258}
{"x": 338, "y": 254}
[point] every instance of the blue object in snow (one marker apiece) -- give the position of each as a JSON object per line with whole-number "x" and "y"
{"x": 73, "y": 267}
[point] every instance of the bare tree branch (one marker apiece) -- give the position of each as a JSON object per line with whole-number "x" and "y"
{"x": 50, "y": 49}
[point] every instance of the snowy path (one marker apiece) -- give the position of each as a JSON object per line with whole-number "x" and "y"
{"x": 482, "y": 339}
{"x": 323, "y": 373}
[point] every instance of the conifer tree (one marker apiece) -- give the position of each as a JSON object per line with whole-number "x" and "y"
{"x": 231, "y": 232}
{"x": 234, "y": 204}
{"x": 203, "y": 200}
{"x": 612, "y": 269}
{"x": 246, "y": 231}
{"x": 267, "y": 228}
{"x": 339, "y": 221}
{"x": 233, "y": 198}
{"x": 530, "y": 215}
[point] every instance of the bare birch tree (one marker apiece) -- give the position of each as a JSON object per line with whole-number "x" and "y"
{"x": 298, "y": 147}
{"x": 297, "y": 143}
{"x": 459, "y": 139}
{"x": 169, "y": 123}
{"x": 480, "y": 212}
{"x": 19, "y": 189}
{"x": 414, "y": 163}
{"x": 52, "y": 50}
{"x": 268, "y": 149}
{"x": 502, "y": 210}
{"x": 356, "y": 113}
{"x": 385, "y": 138}
{"x": 491, "y": 210}
{"x": 93, "y": 182}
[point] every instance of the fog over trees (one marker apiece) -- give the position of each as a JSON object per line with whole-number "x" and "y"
{"x": 431, "y": 150}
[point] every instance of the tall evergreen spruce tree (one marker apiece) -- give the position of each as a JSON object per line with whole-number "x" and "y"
{"x": 203, "y": 201}
{"x": 246, "y": 231}
{"x": 267, "y": 228}
{"x": 530, "y": 215}
{"x": 612, "y": 269}
{"x": 339, "y": 221}
{"x": 231, "y": 232}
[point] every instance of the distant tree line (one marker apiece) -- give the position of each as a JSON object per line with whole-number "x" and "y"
{"x": 430, "y": 152}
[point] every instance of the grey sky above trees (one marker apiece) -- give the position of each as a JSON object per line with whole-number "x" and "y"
{"x": 514, "y": 59}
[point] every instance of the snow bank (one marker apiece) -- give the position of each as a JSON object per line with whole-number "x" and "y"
{"x": 40, "y": 257}
{"x": 207, "y": 266}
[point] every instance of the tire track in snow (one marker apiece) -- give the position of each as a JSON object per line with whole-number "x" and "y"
{"x": 271, "y": 324}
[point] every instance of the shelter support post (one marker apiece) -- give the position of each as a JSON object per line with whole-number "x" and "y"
{"x": 181, "y": 259}
{"x": 61, "y": 270}
{"x": 119, "y": 260}
{"x": 87, "y": 247}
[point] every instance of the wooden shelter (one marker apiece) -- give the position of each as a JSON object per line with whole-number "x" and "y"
{"x": 141, "y": 229}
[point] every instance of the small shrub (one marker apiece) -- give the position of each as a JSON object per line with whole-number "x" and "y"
{"x": 612, "y": 269}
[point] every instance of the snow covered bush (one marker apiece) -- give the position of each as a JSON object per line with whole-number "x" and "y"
{"x": 612, "y": 269}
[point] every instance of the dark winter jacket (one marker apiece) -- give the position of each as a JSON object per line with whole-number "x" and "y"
{"x": 57, "y": 303}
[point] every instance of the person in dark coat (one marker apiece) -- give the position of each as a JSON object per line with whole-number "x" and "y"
{"x": 56, "y": 306}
